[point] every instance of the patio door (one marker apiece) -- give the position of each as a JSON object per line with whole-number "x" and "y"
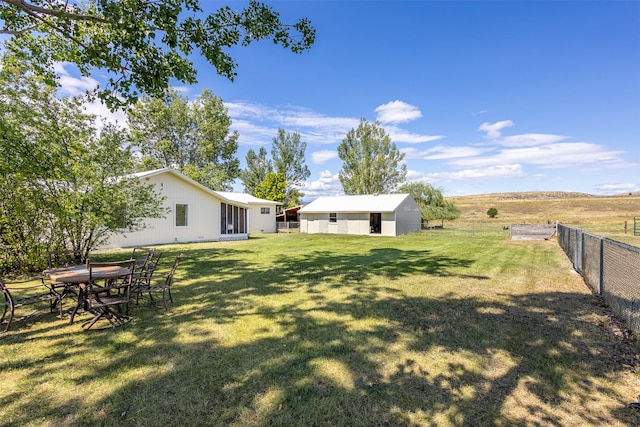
{"x": 375, "y": 223}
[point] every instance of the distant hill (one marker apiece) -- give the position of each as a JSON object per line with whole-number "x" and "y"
{"x": 545, "y": 206}
{"x": 528, "y": 195}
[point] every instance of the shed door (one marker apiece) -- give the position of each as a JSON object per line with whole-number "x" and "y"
{"x": 375, "y": 223}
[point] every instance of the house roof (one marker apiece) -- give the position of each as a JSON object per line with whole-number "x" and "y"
{"x": 358, "y": 203}
{"x": 218, "y": 194}
{"x": 247, "y": 198}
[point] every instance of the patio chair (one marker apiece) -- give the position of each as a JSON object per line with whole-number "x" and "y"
{"x": 64, "y": 258}
{"x": 142, "y": 276}
{"x": 142, "y": 255}
{"x": 27, "y": 292}
{"x": 164, "y": 287}
{"x": 101, "y": 296}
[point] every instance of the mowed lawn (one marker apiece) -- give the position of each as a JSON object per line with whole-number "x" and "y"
{"x": 298, "y": 330}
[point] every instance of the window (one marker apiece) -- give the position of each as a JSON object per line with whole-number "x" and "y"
{"x": 333, "y": 217}
{"x": 223, "y": 218}
{"x": 265, "y": 211}
{"x": 182, "y": 215}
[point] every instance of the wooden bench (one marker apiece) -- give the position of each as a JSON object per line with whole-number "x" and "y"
{"x": 27, "y": 292}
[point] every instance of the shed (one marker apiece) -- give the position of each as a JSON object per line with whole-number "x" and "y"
{"x": 195, "y": 213}
{"x": 382, "y": 215}
{"x": 262, "y": 215}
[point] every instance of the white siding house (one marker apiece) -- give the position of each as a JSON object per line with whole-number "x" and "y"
{"x": 195, "y": 213}
{"x": 381, "y": 215}
{"x": 262, "y": 215}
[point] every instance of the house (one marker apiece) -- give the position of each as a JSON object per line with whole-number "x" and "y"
{"x": 195, "y": 214}
{"x": 262, "y": 215}
{"x": 382, "y": 215}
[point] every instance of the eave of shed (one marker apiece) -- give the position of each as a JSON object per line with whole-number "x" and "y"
{"x": 357, "y": 203}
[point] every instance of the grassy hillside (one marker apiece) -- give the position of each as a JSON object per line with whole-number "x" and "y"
{"x": 598, "y": 214}
{"x": 574, "y": 208}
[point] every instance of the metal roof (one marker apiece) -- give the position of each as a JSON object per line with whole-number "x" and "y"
{"x": 358, "y": 203}
{"x": 218, "y": 194}
{"x": 247, "y": 198}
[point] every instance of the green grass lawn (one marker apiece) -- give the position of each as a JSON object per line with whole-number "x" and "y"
{"x": 424, "y": 329}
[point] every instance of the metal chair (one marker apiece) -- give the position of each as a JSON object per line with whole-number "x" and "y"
{"x": 26, "y": 292}
{"x": 142, "y": 255}
{"x": 164, "y": 287}
{"x": 142, "y": 275}
{"x": 100, "y": 296}
{"x": 65, "y": 258}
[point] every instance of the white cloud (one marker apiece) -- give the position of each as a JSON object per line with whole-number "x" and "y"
{"x": 441, "y": 152}
{"x": 617, "y": 188}
{"x": 70, "y": 85}
{"x": 327, "y": 184}
{"x": 569, "y": 154}
{"x": 491, "y": 172}
{"x": 104, "y": 115}
{"x": 531, "y": 139}
{"x": 258, "y": 124}
{"x": 493, "y": 129}
{"x": 322, "y": 156}
{"x": 397, "y": 112}
{"x": 400, "y": 135}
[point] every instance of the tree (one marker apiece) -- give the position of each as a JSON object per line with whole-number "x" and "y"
{"x": 273, "y": 187}
{"x": 64, "y": 184}
{"x": 193, "y": 137}
{"x": 371, "y": 161}
{"x": 431, "y": 202}
{"x": 258, "y": 166}
{"x": 492, "y": 212}
{"x": 141, "y": 44}
{"x": 287, "y": 152}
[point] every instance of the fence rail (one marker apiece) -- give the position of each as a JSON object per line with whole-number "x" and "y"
{"x": 610, "y": 268}
{"x": 287, "y": 227}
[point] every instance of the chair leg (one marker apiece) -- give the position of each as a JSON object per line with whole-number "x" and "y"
{"x": 88, "y": 324}
{"x": 10, "y": 319}
{"x": 75, "y": 309}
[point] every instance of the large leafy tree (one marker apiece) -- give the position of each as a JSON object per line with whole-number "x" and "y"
{"x": 194, "y": 137}
{"x": 433, "y": 206}
{"x": 258, "y": 166}
{"x": 371, "y": 162}
{"x": 273, "y": 187}
{"x": 288, "y": 152}
{"x": 141, "y": 44}
{"x": 65, "y": 185}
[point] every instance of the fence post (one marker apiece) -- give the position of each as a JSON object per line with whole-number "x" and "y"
{"x": 601, "y": 287}
{"x": 575, "y": 251}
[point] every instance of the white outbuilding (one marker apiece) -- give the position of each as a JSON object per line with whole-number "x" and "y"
{"x": 378, "y": 215}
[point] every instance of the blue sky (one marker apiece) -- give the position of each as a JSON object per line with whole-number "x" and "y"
{"x": 481, "y": 96}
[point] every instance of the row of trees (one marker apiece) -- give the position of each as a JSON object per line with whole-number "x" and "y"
{"x": 276, "y": 178}
{"x": 59, "y": 186}
{"x": 68, "y": 184}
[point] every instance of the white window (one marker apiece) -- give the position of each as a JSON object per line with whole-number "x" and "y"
{"x": 333, "y": 217}
{"x": 182, "y": 215}
{"x": 265, "y": 211}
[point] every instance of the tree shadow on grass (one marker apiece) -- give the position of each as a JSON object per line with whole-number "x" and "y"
{"x": 374, "y": 356}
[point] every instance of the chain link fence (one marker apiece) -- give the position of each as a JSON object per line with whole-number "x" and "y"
{"x": 610, "y": 268}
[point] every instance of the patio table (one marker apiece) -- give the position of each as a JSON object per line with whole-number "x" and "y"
{"x": 72, "y": 277}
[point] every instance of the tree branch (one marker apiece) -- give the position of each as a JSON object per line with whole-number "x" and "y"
{"x": 32, "y": 10}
